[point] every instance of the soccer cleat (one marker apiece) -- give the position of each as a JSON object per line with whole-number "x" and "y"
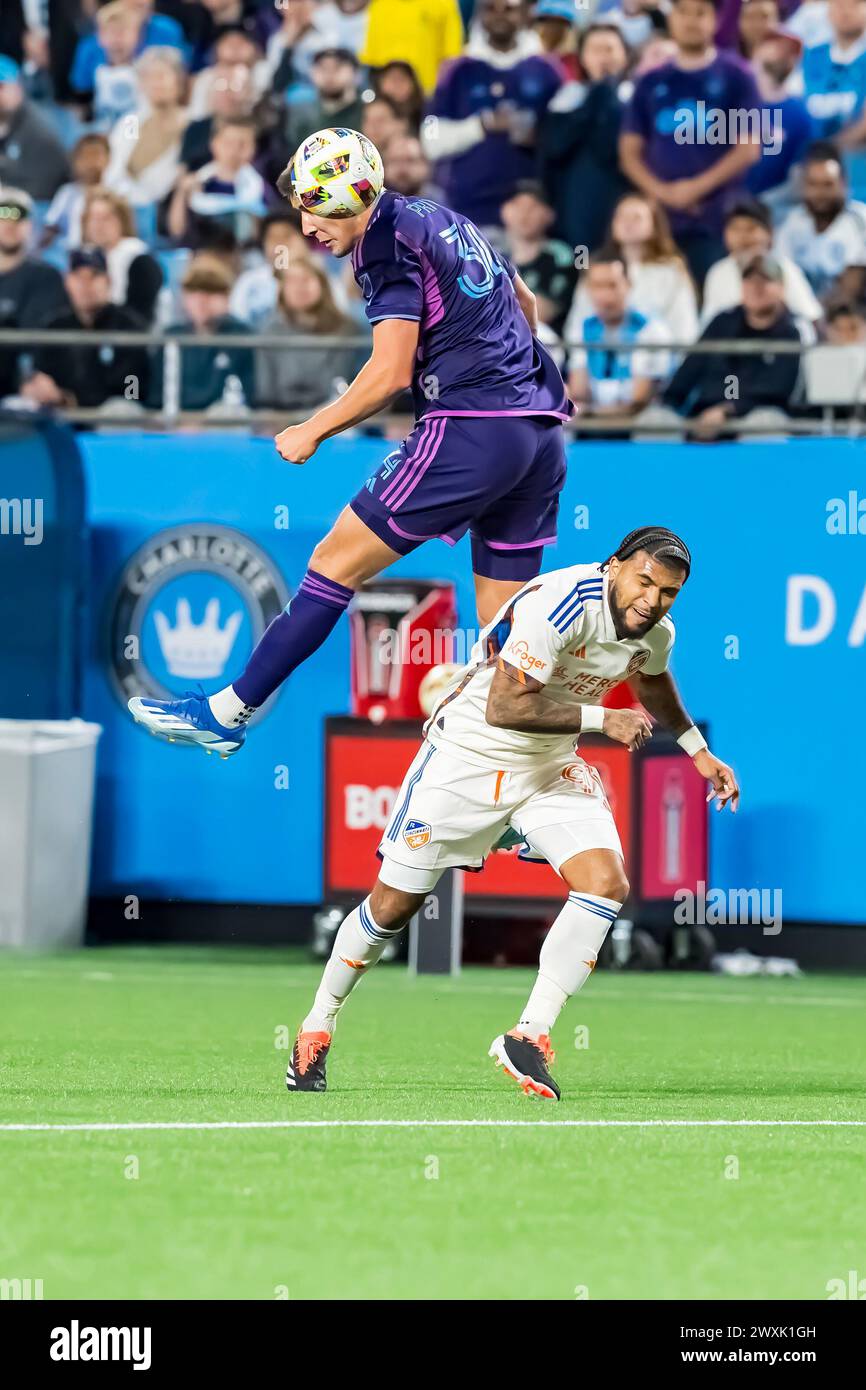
{"x": 187, "y": 720}
{"x": 526, "y": 1060}
{"x": 306, "y": 1071}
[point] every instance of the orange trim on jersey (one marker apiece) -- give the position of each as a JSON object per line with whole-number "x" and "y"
{"x": 499, "y": 777}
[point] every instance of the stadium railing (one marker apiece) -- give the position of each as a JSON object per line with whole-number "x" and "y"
{"x": 834, "y": 378}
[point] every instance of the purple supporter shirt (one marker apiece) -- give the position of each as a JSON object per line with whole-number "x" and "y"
{"x": 479, "y": 180}
{"x": 665, "y": 101}
{"x": 476, "y": 354}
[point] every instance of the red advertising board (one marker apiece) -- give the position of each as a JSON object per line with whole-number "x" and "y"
{"x": 673, "y": 842}
{"x": 365, "y": 765}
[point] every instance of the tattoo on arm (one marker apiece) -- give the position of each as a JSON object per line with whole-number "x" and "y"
{"x": 518, "y": 701}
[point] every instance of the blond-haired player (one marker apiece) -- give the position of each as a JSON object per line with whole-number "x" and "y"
{"x": 499, "y": 754}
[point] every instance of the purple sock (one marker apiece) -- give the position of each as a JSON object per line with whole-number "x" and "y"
{"x": 292, "y": 637}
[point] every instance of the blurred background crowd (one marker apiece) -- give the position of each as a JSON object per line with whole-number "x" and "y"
{"x": 660, "y": 171}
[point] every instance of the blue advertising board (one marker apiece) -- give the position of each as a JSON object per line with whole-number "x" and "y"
{"x": 197, "y": 540}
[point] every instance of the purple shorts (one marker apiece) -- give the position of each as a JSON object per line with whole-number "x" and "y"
{"x": 497, "y": 476}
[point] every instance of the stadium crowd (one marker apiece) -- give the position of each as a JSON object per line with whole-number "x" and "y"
{"x": 659, "y": 171}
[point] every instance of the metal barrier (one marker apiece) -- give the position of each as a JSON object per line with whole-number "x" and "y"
{"x": 265, "y": 420}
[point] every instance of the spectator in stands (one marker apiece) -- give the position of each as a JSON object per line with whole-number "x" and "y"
{"x": 115, "y": 84}
{"x": 757, "y": 19}
{"x": 577, "y": 140}
{"x": 406, "y": 168}
{"x": 637, "y": 20}
{"x": 31, "y": 155}
{"x": 423, "y": 35}
{"x": 290, "y": 52}
{"x": 232, "y": 95}
{"x": 663, "y": 147}
{"x": 826, "y": 234}
{"x": 602, "y": 380}
{"x": 150, "y": 30}
{"x": 834, "y": 84}
{"x": 748, "y": 233}
{"x": 714, "y": 387}
{"x": 145, "y": 150}
{"x": 846, "y": 324}
{"x": 485, "y": 111}
{"x": 545, "y": 264}
{"x": 555, "y": 23}
{"x": 207, "y": 373}
{"x": 90, "y": 156}
{"x": 660, "y": 286}
{"x": 107, "y": 222}
{"x": 345, "y": 23}
{"x": 227, "y": 190}
{"x": 398, "y": 82}
{"x": 300, "y": 378}
{"x": 88, "y": 376}
{"x": 337, "y": 102}
{"x": 776, "y": 66}
{"x": 30, "y": 292}
{"x": 381, "y": 123}
{"x": 810, "y": 21}
{"x": 234, "y": 48}
{"x": 254, "y": 294}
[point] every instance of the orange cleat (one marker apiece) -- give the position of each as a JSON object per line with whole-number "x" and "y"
{"x": 306, "y": 1070}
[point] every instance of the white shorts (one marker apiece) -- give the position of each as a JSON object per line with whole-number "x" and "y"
{"x": 449, "y": 814}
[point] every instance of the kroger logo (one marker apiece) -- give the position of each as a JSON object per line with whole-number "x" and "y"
{"x": 190, "y": 606}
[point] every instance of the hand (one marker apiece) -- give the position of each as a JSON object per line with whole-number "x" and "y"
{"x": 297, "y": 443}
{"x": 498, "y": 120}
{"x": 725, "y": 785}
{"x": 43, "y": 389}
{"x": 629, "y": 726}
{"x": 682, "y": 194}
{"x": 707, "y": 423}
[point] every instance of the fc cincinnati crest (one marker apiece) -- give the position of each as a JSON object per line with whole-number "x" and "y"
{"x": 417, "y": 834}
{"x": 636, "y": 662}
{"x": 188, "y": 609}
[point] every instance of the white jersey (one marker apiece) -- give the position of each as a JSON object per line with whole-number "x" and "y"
{"x": 559, "y": 630}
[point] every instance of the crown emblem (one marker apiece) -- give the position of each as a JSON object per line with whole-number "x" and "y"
{"x": 198, "y": 651}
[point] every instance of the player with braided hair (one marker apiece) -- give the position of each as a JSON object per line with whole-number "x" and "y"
{"x": 499, "y": 753}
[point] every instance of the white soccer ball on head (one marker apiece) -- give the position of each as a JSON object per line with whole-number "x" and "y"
{"x": 335, "y": 173}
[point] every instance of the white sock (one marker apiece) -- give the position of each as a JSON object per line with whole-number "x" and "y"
{"x": 229, "y": 710}
{"x": 358, "y": 944}
{"x": 568, "y": 956}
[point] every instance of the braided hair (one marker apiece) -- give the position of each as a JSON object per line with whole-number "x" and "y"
{"x": 655, "y": 540}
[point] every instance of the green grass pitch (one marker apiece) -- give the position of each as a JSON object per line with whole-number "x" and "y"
{"x": 539, "y": 1210}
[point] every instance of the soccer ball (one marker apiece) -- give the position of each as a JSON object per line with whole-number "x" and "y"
{"x": 335, "y": 173}
{"x": 435, "y": 684}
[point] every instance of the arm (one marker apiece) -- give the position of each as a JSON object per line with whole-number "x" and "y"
{"x": 631, "y": 148}
{"x": 660, "y": 697}
{"x": 527, "y": 301}
{"x": 387, "y": 373}
{"x": 518, "y": 701}
{"x": 731, "y": 166}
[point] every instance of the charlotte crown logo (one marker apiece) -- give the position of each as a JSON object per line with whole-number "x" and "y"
{"x": 189, "y": 608}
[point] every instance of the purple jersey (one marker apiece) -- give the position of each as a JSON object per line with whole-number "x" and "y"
{"x": 674, "y": 110}
{"x": 476, "y": 354}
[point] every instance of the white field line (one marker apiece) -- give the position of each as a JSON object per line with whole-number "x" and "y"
{"x": 230, "y": 979}
{"x": 430, "y": 1124}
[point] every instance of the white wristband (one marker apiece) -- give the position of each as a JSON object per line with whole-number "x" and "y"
{"x": 692, "y": 741}
{"x": 591, "y": 719}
